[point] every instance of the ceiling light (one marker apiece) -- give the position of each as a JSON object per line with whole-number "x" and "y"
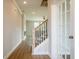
{"x": 25, "y": 2}
{"x": 33, "y": 12}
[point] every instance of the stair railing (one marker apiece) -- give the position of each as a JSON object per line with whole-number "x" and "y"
{"x": 40, "y": 33}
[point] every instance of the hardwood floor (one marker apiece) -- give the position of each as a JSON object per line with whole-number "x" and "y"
{"x": 23, "y": 51}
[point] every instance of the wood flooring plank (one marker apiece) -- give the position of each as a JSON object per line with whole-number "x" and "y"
{"x": 23, "y": 51}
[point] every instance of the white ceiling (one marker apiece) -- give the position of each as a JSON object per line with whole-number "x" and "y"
{"x": 33, "y": 6}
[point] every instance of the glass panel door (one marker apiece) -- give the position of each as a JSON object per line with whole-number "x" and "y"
{"x": 64, "y": 16}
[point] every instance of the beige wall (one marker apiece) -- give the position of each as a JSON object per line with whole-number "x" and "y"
{"x": 11, "y": 26}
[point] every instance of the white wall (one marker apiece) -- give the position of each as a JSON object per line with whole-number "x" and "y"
{"x": 42, "y": 49}
{"x": 53, "y": 28}
{"x": 11, "y": 26}
{"x": 49, "y": 26}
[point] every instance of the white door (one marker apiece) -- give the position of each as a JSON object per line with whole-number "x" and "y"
{"x": 67, "y": 42}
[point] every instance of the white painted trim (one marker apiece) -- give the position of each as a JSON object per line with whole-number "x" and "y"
{"x": 17, "y": 7}
{"x": 50, "y": 55}
{"x": 42, "y": 49}
{"x": 5, "y": 57}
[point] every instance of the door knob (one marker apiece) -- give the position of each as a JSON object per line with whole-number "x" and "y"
{"x": 71, "y": 37}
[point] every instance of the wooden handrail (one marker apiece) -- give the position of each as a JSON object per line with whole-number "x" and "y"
{"x": 41, "y": 24}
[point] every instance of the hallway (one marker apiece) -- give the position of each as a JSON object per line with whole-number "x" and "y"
{"x": 23, "y": 51}
{"x": 46, "y": 25}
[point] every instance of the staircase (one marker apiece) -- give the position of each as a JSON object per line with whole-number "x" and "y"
{"x": 40, "y": 36}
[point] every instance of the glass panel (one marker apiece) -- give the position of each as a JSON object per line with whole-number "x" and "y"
{"x": 68, "y": 56}
{"x": 67, "y": 44}
{"x": 64, "y": 15}
{"x": 68, "y": 5}
{"x": 67, "y": 32}
{"x": 63, "y": 7}
{"x": 63, "y": 56}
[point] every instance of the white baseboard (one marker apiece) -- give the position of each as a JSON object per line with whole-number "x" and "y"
{"x": 50, "y": 56}
{"x": 46, "y": 53}
{"x": 5, "y": 57}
